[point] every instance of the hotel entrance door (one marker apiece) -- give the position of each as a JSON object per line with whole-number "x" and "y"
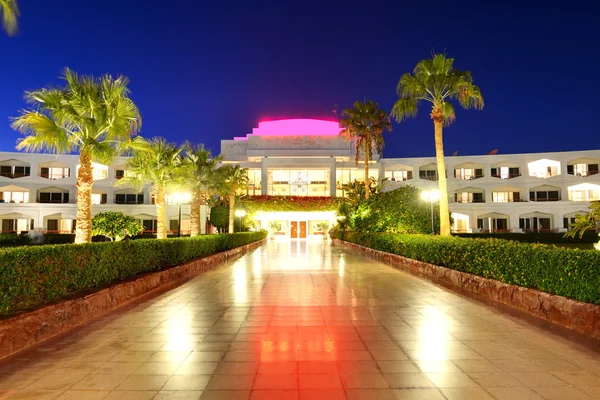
{"x": 298, "y": 229}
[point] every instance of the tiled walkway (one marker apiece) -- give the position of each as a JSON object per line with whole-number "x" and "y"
{"x": 308, "y": 321}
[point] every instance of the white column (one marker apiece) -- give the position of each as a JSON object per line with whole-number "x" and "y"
{"x": 332, "y": 178}
{"x": 264, "y": 176}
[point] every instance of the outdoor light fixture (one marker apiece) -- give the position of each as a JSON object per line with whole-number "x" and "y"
{"x": 431, "y": 196}
{"x": 240, "y": 214}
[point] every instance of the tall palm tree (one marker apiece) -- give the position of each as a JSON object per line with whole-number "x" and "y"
{"x": 157, "y": 163}
{"x": 198, "y": 166}
{"x": 92, "y": 116}
{"x": 364, "y": 124}
{"x": 9, "y": 11}
{"x": 437, "y": 82}
{"x": 229, "y": 180}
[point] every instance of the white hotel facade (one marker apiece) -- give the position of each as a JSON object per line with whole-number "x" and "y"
{"x": 500, "y": 192}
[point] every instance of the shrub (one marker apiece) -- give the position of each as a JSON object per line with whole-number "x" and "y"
{"x": 219, "y": 217}
{"x": 59, "y": 238}
{"x": 567, "y": 272}
{"x": 400, "y": 210}
{"x": 534, "y": 237}
{"x": 33, "y": 275}
{"x": 12, "y": 239}
{"x": 116, "y": 225}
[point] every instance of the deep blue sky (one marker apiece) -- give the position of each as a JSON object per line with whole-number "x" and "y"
{"x": 205, "y": 72}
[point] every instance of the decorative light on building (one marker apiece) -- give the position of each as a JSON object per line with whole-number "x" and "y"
{"x": 300, "y": 184}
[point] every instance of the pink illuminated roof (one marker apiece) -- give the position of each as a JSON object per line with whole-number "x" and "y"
{"x": 295, "y": 127}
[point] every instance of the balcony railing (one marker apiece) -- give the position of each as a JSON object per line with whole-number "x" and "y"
{"x": 429, "y": 178}
{"x": 53, "y": 177}
{"x": 585, "y": 173}
{"x": 546, "y": 199}
{"x": 509, "y": 176}
{"x": 13, "y": 175}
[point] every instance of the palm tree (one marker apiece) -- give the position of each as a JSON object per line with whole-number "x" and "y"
{"x": 230, "y": 180}
{"x": 198, "y": 165}
{"x": 92, "y": 116}
{"x": 364, "y": 124}
{"x": 9, "y": 11}
{"x": 437, "y": 82}
{"x": 586, "y": 222}
{"x": 157, "y": 163}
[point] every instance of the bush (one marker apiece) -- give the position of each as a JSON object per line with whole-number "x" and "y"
{"x": 567, "y": 272}
{"x": 34, "y": 275}
{"x": 116, "y": 225}
{"x": 12, "y": 240}
{"x": 59, "y": 238}
{"x": 219, "y": 217}
{"x": 401, "y": 210}
{"x": 534, "y": 237}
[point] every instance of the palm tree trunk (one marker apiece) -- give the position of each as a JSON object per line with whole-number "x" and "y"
{"x": 367, "y": 158}
{"x": 195, "y": 214}
{"x": 231, "y": 213}
{"x": 85, "y": 181}
{"x": 161, "y": 213}
{"x": 438, "y": 123}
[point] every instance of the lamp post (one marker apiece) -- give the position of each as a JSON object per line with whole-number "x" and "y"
{"x": 431, "y": 196}
{"x": 240, "y": 214}
{"x": 179, "y": 199}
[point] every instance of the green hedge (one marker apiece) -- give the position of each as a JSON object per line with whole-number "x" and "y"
{"x": 534, "y": 237}
{"x": 12, "y": 240}
{"x": 33, "y": 275}
{"x": 567, "y": 272}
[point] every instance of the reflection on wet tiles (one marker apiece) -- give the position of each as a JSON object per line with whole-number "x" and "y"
{"x": 305, "y": 320}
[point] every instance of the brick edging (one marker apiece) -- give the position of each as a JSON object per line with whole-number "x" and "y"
{"x": 572, "y": 314}
{"x": 29, "y": 328}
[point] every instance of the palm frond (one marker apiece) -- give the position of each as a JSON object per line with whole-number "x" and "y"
{"x": 404, "y": 108}
{"x": 90, "y": 112}
{"x": 9, "y": 12}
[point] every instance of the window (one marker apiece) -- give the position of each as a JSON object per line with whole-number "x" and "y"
{"x": 550, "y": 195}
{"x": 254, "y": 182}
{"x": 14, "y": 197}
{"x": 506, "y": 197}
{"x": 469, "y": 197}
{"x": 129, "y": 198}
{"x": 468, "y": 173}
{"x": 299, "y": 182}
{"x": 48, "y": 197}
{"x": 52, "y": 225}
{"x": 149, "y": 225}
{"x": 535, "y": 223}
{"x": 398, "y": 176}
{"x": 119, "y": 174}
{"x": 429, "y": 175}
{"x": 55, "y": 173}
{"x": 582, "y": 169}
{"x": 568, "y": 221}
{"x": 99, "y": 198}
{"x": 9, "y": 171}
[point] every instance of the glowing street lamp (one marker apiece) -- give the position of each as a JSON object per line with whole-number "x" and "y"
{"x": 179, "y": 198}
{"x": 240, "y": 214}
{"x": 431, "y": 196}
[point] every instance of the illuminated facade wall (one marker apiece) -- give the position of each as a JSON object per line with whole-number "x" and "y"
{"x": 492, "y": 192}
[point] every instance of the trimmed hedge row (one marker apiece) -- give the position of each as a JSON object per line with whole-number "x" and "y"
{"x": 534, "y": 237}
{"x": 12, "y": 239}
{"x": 37, "y": 274}
{"x": 566, "y": 272}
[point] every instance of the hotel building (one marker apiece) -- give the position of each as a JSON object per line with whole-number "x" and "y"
{"x": 304, "y": 157}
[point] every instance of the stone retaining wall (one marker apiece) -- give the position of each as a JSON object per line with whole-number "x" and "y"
{"x": 572, "y": 314}
{"x": 29, "y": 328}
